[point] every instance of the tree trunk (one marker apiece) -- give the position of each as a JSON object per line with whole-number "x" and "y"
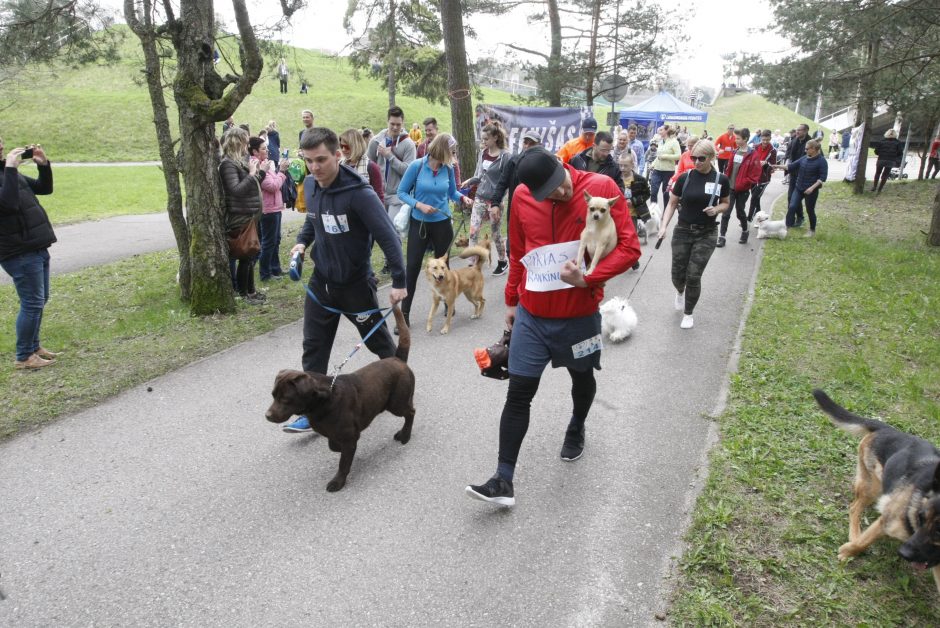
{"x": 554, "y": 58}
{"x": 933, "y": 238}
{"x": 392, "y": 53}
{"x": 174, "y": 205}
{"x": 592, "y": 54}
{"x": 458, "y": 85}
{"x": 866, "y": 107}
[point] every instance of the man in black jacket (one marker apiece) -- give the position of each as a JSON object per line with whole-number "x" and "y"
{"x": 25, "y": 237}
{"x": 509, "y": 180}
{"x": 598, "y": 159}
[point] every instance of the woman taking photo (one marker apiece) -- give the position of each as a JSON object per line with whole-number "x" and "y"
{"x": 704, "y": 194}
{"x": 269, "y": 263}
{"x": 490, "y": 165}
{"x": 241, "y": 189}
{"x": 427, "y": 186}
{"x": 353, "y": 147}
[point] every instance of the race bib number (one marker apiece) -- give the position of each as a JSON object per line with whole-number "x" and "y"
{"x": 335, "y": 224}
{"x": 711, "y": 188}
{"x": 587, "y": 347}
{"x": 543, "y": 266}
{"x": 738, "y": 158}
{"x": 627, "y": 194}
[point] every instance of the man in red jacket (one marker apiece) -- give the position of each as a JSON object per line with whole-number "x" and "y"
{"x": 743, "y": 171}
{"x": 551, "y": 305}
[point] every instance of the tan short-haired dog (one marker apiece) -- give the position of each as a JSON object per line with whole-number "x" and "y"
{"x": 446, "y": 284}
{"x": 600, "y": 233}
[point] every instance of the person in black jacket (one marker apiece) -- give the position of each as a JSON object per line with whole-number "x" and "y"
{"x": 598, "y": 159}
{"x": 889, "y": 153}
{"x": 509, "y": 180}
{"x": 796, "y": 149}
{"x": 25, "y": 237}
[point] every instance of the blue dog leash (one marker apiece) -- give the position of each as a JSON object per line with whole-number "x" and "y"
{"x": 296, "y": 268}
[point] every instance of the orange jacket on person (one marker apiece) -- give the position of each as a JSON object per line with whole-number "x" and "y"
{"x": 533, "y": 224}
{"x": 685, "y": 163}
{"x": 573, "y": 147}
{"x": 726, "y": 145}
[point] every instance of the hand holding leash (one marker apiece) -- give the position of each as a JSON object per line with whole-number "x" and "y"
{"x": 659, "y": 241}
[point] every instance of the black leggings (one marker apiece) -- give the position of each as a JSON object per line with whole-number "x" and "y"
{"x": 739, "y": 202}
{"x": 514, "y": 422}
{"x": 756, "y": 192}
{"x": 245, "y": 276}
{"x": 882, "y": 170}
{"x": 440, "y": 234}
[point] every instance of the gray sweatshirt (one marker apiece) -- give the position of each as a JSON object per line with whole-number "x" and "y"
{"x": 393, "y": 168}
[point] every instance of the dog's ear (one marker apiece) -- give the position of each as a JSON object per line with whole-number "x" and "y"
{"x": 587, "y": 197}
{"x": 612, "y": 201}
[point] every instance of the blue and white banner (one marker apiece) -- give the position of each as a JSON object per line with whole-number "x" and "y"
{"x": 556, "y": 125}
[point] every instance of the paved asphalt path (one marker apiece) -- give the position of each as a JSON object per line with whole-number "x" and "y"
{"x": 184, "y": 507}
{"x": 98, "y": 242}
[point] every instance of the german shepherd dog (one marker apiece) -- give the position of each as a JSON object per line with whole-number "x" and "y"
{"x": 447, "y": 284}
{"x": 902, "y": 473}
{"x": 340, "y": 411}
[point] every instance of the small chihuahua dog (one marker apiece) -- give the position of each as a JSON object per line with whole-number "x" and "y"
{"x": 600, "y": 234}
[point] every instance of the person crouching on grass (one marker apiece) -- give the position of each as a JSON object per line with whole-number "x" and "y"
{"x": 25, "y": 237}
{"x": 704, "y": 193}
{"x": 553, "y": 319}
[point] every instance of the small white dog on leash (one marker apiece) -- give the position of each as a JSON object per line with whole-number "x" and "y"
{"x": 767, "y": 228}
{"x": 618, "y": 320}
{"x": 656, "y": 217}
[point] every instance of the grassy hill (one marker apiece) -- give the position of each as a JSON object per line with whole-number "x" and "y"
{"x": 103, "y": 112}
{"x": 752, "y": 111}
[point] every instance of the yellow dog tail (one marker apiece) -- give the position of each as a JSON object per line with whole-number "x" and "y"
{"x": 482, "y": 253}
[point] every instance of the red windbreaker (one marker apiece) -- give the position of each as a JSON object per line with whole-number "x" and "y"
{"x": 749, "y": 171}
{"x": 533, "y": 224}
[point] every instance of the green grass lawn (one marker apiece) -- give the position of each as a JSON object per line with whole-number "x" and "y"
{"x": 752, "y": 111}
{"x": 103, "y": 113}
{"x": 96, "y": 192}
{"x": 856, "y": 312}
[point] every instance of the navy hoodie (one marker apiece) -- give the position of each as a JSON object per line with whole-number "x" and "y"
{"x": 343, "y": 220}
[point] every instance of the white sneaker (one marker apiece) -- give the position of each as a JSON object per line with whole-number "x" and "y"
{"x": 680, "y": 301}
{"x": 686, "y": 322}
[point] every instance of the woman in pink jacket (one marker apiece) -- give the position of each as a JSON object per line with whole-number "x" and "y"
{"x": 269, "y": 264}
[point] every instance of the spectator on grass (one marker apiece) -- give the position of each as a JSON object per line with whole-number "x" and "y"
{"x": 415, "y": 134}
{"x": 430, "y": 132}
{"x": 889, "y": 153}
{"x": 427, "y": 186}
{"x": 282, "y": 73}
{"x": 491, "y": 162}
{"x": 241, "y": 178}
{"x": 25, "y": 237}
{"x": 274, "y": 142}
{"x": 392, "y": 150}
{"x": 269, "y": 263}
{"x": 353, "y": 147}
{"x": 808, "y": 174}
{"x": 933, "y": 159}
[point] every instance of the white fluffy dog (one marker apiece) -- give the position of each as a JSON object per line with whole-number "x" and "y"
{"x": 767, "y": 228}
{"x": 656, "y": 217}
{"x": 618, "y": 320}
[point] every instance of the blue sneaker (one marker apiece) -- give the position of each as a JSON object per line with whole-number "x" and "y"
{"x": 300, "y": 424}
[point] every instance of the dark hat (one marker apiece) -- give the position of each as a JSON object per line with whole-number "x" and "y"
{"x": 541, "y": 172}
{"x": 533, "y": 136}
{"x": 589, "y": 124}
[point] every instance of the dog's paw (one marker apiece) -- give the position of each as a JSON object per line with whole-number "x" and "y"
{"x": 335, "y": 484}
{"x": 428, "y": 328}
{"x": 473, "y": 317}
{"x": 847, "y": 551}
{"x": 401, "y": 437}
{"x": 618, "y": 337}
{"x": 445, "y": 330}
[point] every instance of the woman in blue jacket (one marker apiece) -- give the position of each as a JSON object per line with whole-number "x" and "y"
{"x": 426, "y": 187}
{"x": 811, "y": 171}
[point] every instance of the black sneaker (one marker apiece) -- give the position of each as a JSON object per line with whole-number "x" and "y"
{"x": 744, "y": 235}
{"x": 721, "y": 241}
{"x": 798, "y": 223}
{"x": 501, "y": 267}
{"x": 574, "y": 443}
{"x": 495, "y": 491}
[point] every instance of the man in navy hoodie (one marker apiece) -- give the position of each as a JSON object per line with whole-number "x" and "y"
{"x": 344, "y": 216}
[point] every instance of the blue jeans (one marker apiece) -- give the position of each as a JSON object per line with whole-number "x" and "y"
{"x": 269, "y": 263}
{"x": 30, "y": 273}
{"x": 659, "y": 179}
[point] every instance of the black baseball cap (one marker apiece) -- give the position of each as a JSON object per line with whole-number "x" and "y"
{"x": 541, "y": 172}
{"x": 589, "y": 124}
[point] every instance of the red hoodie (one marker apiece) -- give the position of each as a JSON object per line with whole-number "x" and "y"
{"x": 534, "y": 224}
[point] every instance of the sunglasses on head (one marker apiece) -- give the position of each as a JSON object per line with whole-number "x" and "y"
{"x": 698, "y": 158}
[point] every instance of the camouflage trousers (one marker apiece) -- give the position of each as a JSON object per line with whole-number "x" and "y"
{"x": 692, "y": 247}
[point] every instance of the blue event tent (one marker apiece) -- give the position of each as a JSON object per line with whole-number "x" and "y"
{"x": 652, "y": 112}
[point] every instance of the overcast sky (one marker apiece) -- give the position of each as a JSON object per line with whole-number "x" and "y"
{"x": 709, "y": 24}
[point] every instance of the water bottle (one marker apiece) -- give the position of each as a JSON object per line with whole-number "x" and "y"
{"x": 296, "y": 265}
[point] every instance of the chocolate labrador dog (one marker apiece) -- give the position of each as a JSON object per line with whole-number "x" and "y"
{"x": 341, "y": 410}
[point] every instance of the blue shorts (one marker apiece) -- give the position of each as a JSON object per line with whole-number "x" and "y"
{"x": 573, "y": 343}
